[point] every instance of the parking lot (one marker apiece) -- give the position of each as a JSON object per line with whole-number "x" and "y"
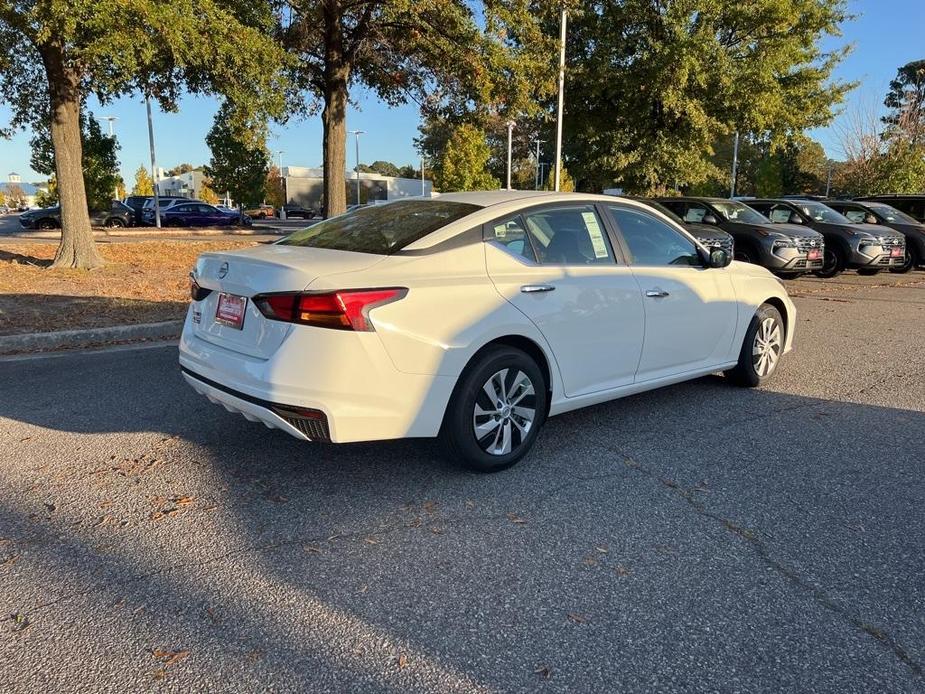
{"x": 700, "y": 537}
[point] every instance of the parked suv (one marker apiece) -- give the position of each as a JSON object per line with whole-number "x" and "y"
{"x": 148, "y": 215}
{"x": 869, "y": 248}
{"x": 881, "y": 213}
{"x": 784, "y": 249}
{"x": 709, "y": 236}
{"x": 118, "y": 215}
{"x": 912, "y": 205}
{"x": 293, "y": 211}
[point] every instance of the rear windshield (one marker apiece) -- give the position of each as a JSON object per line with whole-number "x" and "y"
{"x": 381, "y": 229}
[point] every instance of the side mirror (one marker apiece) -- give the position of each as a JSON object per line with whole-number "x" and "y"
{"x": 870, "y": 219}
{"x": 710, "y": 219}
{"x": 795, "y": 219}
{"x": 718, "y": 258}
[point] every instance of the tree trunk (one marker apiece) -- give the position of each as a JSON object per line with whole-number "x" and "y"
{"x": 77, "y": 249}
{"x": 334, "y": 115}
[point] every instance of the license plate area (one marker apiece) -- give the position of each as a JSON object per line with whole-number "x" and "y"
{"x": 897, "y": 252}
{"x": 230, "y": 310}
{"x": 814, "y": 254}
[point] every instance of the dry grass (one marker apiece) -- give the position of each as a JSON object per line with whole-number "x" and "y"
{"x": 142, "y": 282}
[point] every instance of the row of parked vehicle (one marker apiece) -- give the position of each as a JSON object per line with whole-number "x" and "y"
{"x": 794, "y": 235}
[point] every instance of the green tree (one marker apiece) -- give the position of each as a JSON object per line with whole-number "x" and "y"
{"x": 206, "y": 194}
{"x": 464, "y": 162}
{"x": 99, "y": 160}
{"x": 652, "y": 84}
{"x": 143, "y": 183}
{"x": 2, "y": 198}
{"x": 54, "y": 53}
{"x": 15, "y": 195}
{"x": 384, "y": 168}
{"x": 275, "y": 194}
{"x": 48, "y": 198}
{"x": 481, "y": 53}
{"x": 906, "y": 101}
{"x": 180, "y": 169}
{"x": 240, "y": 159}
{"x": 566, "y": 183}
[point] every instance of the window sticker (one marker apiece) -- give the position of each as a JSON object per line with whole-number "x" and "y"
{"x": 597, "y": 237}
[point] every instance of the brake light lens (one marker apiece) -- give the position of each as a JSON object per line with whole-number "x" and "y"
{"x": 346, "y": 309}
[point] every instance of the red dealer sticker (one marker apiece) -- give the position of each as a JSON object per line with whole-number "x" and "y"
{"x": 230, "y": 310}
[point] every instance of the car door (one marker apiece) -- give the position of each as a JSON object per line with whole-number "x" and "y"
{"x": 557, "y": 265}
{"x": 690, "y": 310}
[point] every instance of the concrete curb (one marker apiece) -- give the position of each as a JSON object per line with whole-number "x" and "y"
{"x": 68, "y": 339}
{"x": 124, "y": 232}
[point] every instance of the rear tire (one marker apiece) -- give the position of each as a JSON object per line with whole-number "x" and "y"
{"x": 833, "y": 264}
{"x": 496, "y": 410}
{"x": 762, "y": 348}
{"x": 910, "y": 263}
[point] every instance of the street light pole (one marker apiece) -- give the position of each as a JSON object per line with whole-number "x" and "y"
{"x": 536, "y": 182}
{"x": 562, "y": 23}
{"x": 510, "y": 131}
{"x": 282, "y": 181}
{"x": 735, "y": 166}
{"x": 154, "y": 177}
{"x": 110, "y": 119}
{"x": 356, "y": 134}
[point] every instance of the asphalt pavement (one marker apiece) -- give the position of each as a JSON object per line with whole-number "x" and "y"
{"x": 696, "y": 538}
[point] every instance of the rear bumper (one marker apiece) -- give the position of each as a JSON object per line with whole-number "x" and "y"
{"x": 347, "y": 376}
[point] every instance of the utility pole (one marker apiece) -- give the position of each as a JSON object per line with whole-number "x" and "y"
{"x": 282, "y": 182}
{"x": 356, "y": 134}
{"x": 112, "y": 136}
{"x": 536, "y": 185}
{"x": 154, "y": 176}
{"x": 735, "y": 166}
{"x": 510, "y": 131}
{"x": 562, "y": 23}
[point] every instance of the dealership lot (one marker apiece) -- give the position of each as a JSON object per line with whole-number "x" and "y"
{"x": 697, "y": 537}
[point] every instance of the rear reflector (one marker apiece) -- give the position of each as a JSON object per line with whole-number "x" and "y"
{"x": 346, "y": 309}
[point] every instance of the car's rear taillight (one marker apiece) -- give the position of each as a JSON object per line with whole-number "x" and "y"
{"x": 196, "y": 292}
{"x": 346, "y": 309}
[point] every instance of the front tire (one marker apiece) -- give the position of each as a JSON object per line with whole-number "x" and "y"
{"x": 762, "y": 348}
{"x": 496, "y": 410}
{"x": 744, "y": 254}
{"x": 833, "y": 263}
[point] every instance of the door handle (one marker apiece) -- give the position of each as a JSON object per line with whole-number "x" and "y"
{"x": 656, "y": 293}
{"x": 536, "y": 288}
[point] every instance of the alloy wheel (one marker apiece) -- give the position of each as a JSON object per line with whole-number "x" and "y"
{"x": 767, "y": 347}
{"x": 504, "y": 412}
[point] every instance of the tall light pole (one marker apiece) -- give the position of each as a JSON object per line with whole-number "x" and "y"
{"x": 510, "y": 132}
{"x": 356, "y": 134}
{"x": 110, "y": 119}
{"x": 536, "y": 185}
{"x": 735, "y": 166}
{"x": 562, "y": 23}
{"x": 282, "y": 182}
{"x": 154, "y": 177}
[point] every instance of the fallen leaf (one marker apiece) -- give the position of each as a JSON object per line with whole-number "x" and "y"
{"x": 402, "y": 661}
{"x": 183, "y": 500}
{"x": 590, "y": 561}
{"x": 602, "y": 549}
{"x": 576, "y": 618}
{"x": 622, "y": 570}
{"x": 311, "y": 549}
{"x": 363, "y": 589}
{"x": 104, "y": 520}
{"x": 543, "y": 671}
{"x": 20, "y": 622}
{"x": 430, "y": 506}
{"x": 9, "y": 561}
{"x": 169, "y": 657}
{"x": 371, "y": 541}
{"x": 436, "y": 531}
{"x": 159, "y": 674}
{"x": 470, "y": 504}
{"x": 514, "y": 518}
{"x": 25, "y": 439}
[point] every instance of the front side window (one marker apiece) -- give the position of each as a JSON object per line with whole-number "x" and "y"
{"x": 854, "y": 214}
{"x": 780, "y": 214}
{"x": 652, "y": 242}
{"x": 381, "y": 229}
{"x": 570, "y": 235}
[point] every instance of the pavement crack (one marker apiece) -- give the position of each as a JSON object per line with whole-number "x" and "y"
{"x": 819, "y": 596}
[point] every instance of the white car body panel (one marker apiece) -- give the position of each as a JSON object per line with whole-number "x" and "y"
{"x": 463, "y": 293}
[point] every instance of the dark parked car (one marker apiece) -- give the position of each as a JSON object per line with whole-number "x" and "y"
{"x": 912, "y": 205}
{"x": 869, "y": 248}
{"x": 118, "y": 215}
{"x": 164, "y": 202}
{"x": 297, "y": 211}
{"x": 137, "y": 203}
{"x": 196, "y": 214}
{"x": 784, "y": 249}
{"x": 888, "y": 216}
{"x": 709, "y": 236}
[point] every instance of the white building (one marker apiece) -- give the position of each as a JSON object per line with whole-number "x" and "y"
{"x": 305, "y": 186}
{"x": 15, "y": 188}
{"x": 187, "y": 185}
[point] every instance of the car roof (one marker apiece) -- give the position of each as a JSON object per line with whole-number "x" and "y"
{"x": 489, "y": 198}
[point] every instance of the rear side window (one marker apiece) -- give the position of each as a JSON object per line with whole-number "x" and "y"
{"x": 381, "y": 229}
{"x": 511, "y": 235}
{"x": 780, "y": 215}
{"x": 570, "y": 235}
{"x": 855, "y": 214}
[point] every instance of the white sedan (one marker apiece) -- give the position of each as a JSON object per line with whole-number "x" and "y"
{"x": 473, "y": 317}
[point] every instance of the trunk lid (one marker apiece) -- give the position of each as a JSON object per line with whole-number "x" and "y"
{"x": 261, "y": 270}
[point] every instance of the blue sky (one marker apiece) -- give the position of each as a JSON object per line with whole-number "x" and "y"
{"x": 885, "y": 35}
